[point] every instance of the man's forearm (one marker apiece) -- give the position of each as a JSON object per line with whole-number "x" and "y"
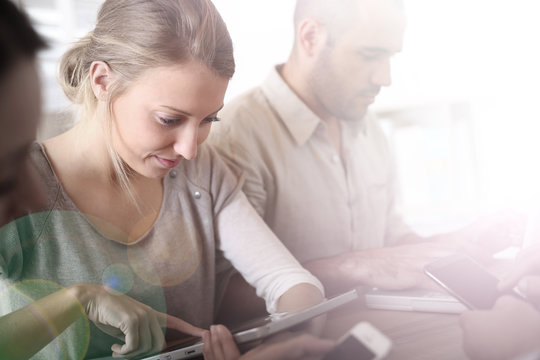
{"x": 397, "y": 267}
{"x": 337, "y": 273}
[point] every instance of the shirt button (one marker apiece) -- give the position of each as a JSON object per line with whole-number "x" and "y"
{"x": 197, "y": 195}
{"x": 335, "y": 158}
{"x": 172, "y": 174}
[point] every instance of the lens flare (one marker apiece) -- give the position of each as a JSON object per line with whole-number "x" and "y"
{"x": 174, "y": 257}
{"x": 118, "y": 277}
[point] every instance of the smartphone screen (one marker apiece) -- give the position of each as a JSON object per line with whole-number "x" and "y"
{"x": 466, "y": 280}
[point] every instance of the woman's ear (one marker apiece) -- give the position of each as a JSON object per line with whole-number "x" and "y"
{"x": 101, "y": 77}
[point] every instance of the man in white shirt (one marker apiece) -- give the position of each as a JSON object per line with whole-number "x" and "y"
{"x": 318, "y": 168}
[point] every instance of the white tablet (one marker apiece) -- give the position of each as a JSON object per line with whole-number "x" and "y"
{"x": 260, "y": 328}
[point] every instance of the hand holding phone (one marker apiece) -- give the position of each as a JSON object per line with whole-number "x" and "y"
{"x": 467, "y": 280}
{"x": 362, "y": 342}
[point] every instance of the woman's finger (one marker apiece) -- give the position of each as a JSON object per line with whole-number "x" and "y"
{"x": 141, "y": 327}
{"x": 216, "y": 343}
{"x": 208, "y": 349}
{"x": 145, "y": 336}
{"x": 228, "y": 348}
{"x": 131, "y": 332}
{"x": 158, "y": 340}
{"x": 171, "y": 322}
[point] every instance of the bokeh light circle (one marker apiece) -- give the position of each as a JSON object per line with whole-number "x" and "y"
{"x": 118, "y": 277}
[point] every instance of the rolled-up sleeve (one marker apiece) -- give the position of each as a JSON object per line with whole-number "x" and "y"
{"x": 257, "y": 253}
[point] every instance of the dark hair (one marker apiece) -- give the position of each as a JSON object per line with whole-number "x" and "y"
{"x": 18, "y": 39}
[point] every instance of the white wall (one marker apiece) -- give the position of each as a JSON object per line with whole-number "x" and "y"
{"x": 262, "y": 33}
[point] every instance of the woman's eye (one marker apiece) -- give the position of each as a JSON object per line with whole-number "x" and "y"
{"x": 212, "y": 119}
{"x": 168, "y": 121}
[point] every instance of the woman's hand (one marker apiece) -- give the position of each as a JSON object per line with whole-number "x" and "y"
{"x": 135, "y": 323}
{"x": 219, "y": 345}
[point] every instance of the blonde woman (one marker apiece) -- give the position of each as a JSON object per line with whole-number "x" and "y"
{"x": 140, "y": 218}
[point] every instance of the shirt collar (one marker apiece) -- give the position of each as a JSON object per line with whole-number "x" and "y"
{"x": 294, "y": 113}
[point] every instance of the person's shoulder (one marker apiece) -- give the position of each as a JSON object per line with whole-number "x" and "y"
{"x": 249, "y": 115}
{"x": 41, "y": 163}
{"x": 37, "y": 152}
{"x": 245, "y": 106}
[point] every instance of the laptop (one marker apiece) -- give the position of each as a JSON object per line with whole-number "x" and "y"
{"x": 413, "y": 300}
{"x": 257, "y": 329}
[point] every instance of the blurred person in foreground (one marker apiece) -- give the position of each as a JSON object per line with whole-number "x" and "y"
{"x": 23, "y": 332}
{"x": 319, "y": 169}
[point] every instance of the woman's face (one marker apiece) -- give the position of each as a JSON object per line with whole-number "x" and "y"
{"x": 164, "y": 116}
{"x": 20, "y": 105}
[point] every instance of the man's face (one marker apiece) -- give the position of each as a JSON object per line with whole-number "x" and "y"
{"x": 19, "y": 115}
{"x": 354, "y": 65}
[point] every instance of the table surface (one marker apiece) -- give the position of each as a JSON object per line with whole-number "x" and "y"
{"x": 415, "y": 335}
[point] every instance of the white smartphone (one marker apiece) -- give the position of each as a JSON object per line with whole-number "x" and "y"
{"x": 362, "y": 342}
{"x": 467, "y": 280}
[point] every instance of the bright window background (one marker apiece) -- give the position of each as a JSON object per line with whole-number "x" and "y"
{"x": 461, "y": 114}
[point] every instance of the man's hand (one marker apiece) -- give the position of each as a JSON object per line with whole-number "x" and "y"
{"x": 491, "y": 234}
{"x": 135, "y": 323}
{"x": 397, "y": 267}
{"x": 525, "y": 273}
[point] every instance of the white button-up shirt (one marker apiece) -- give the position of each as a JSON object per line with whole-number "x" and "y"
{"x": 318, "y": 203}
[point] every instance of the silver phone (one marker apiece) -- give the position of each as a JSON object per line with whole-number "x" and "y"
{"x": 467, "y": 280}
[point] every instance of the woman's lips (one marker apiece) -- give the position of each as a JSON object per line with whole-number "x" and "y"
{"x": 169, "y": 164}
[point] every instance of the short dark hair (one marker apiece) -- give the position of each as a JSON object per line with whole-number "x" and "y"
{"x": 18, "y": 39}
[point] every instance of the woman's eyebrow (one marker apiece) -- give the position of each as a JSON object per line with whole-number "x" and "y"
{"x": 176, "y": 110}
{"x": 185, "y": 112}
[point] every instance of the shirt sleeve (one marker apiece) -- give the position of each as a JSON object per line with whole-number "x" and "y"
{"x": 257, "y": 253}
